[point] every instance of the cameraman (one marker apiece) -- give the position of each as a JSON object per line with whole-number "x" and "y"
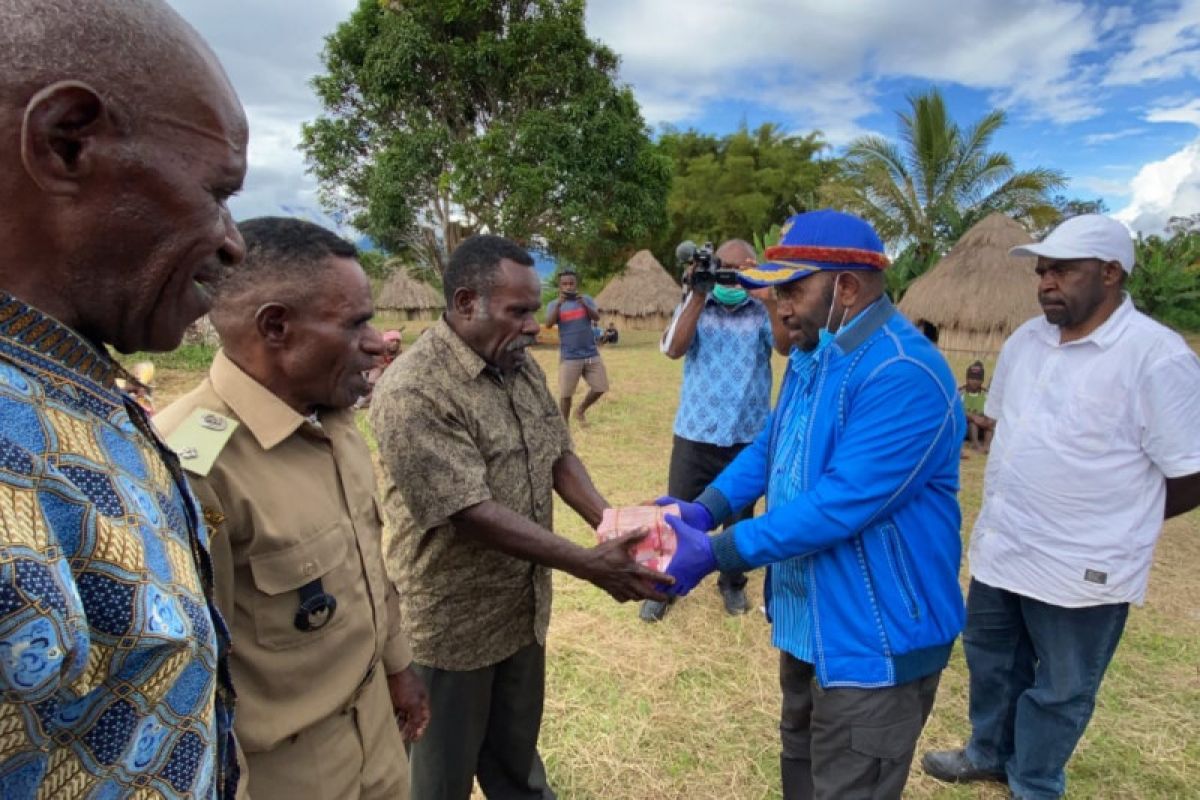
{"x": 578, "y": 355}
{"x": 725, "y": 336}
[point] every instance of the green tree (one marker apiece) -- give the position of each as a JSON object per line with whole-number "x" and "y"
{"x": 939, "y": 179}
{"x": 1166, "y": 281}
{"x": 376, "y": 264}
{"x": 445, "y": 117}
{"x": 739, "y": 185}
{"x": 1065, "y": 208}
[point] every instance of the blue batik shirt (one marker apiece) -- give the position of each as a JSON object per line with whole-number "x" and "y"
{"x": 111, "y": 651}
{"x": 793, "y": 415}
{"x": 726, "y": 393}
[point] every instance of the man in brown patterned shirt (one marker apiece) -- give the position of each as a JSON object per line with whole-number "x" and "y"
{"x": 474, "y": 446}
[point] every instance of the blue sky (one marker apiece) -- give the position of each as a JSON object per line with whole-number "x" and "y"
{"x": 1109, "y": 93}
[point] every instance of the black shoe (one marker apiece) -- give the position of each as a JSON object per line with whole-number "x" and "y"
{"x": 735, "y": 600}
{"x": 953, "y": 766}
{"x": 653, "y": 610}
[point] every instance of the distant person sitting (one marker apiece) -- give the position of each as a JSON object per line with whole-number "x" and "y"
{"x": 393, "y": 345}
{"x": 979, "y": 426}
{"x": 610, "y": 334}
{"x": 579, "y": 357}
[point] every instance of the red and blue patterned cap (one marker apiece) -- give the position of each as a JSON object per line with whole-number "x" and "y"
{"x": 814, "y": 242}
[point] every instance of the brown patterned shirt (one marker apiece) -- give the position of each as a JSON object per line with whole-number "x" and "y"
{"x": 452, "y": 433}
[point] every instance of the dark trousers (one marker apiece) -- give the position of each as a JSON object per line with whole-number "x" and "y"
{"x": 1035, "y": 669}
{"x": 694, "y": 465}
{"x": 848, "y": 744}
{"x": 485, "y": 723}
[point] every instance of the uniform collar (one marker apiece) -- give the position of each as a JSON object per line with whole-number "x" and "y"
{"x": 39, "y": 341}
{"x": 267, "y": 417}
{"x": 1104, "y": 337}
{"x": 864, "y": 323}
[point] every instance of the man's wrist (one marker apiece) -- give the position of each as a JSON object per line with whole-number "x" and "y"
{"x": 726, "y": 554}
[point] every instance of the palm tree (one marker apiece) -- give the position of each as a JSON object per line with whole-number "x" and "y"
{"x": 922, "y": 193}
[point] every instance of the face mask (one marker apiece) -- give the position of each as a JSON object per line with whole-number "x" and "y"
{"x": 825, "y": 337}
{"x": 570, "y": 295}
{"x": 729, "y": 295}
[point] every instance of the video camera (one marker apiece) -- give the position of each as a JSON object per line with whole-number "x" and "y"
{"x": 707, "y": 269}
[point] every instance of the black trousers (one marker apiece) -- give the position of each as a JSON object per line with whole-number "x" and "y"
{"x": 694, "y": 465}
{"x": 848, "y": 744}
{"x": 485, "y": 723}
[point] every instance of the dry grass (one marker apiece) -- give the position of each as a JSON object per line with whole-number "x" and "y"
{"x": 688, "y": 708}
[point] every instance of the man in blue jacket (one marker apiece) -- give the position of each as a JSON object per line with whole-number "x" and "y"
{"x": 859, "y": 465}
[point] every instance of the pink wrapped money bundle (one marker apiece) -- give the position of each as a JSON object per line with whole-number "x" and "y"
{"x": 656, "y": 550}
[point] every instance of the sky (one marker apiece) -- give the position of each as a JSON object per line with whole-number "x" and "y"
{"x": 1107, "y": 92}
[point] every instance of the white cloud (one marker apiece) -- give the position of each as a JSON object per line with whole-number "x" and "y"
{"x": 1164, "y": 189}
{"x": 821, "y": 62}
{"x": 1165, "y": 49}
{"x": 271, "y": 50}
{"x": 1187, "y": 112}
{"x": 812, "y": 64}
{"x": 1112, "y": 136}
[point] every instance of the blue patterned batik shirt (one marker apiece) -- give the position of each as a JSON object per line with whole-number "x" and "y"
{"x": 111, "y": 653}
{"x": 791, "y": 613}
{"x": 726, "y": 392}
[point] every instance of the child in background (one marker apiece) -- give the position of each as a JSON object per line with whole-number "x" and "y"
{"x": 974, "y": 397}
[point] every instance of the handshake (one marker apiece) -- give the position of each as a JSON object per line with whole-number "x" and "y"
{"x": 685, "y": 560}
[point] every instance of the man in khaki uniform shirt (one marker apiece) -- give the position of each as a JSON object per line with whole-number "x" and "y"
{"x": 476, "y": 448}
{"x": 288, "y": 489}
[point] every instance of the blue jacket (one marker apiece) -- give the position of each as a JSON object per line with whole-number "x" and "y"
{"x": 873, "y": 541}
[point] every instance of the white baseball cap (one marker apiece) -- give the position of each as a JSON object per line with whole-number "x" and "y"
{"x": 1085, "y": 236}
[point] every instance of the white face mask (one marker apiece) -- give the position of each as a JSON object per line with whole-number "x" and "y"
{"x": 825, "y": 337}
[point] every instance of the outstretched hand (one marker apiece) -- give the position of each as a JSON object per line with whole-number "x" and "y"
{"x": 611, "y": 568}
{"x": 693, "y": 559}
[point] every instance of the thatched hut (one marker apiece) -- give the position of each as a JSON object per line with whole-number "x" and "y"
{"x": 642, "y": 297}
{"x": 977, "y": 294}
{"x": 409, "y": 297}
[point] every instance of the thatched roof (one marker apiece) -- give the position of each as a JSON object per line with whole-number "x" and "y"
{"x": 642, "y": 289}
{"x": 401, "y": 291}
{"x": 977, "y": 288}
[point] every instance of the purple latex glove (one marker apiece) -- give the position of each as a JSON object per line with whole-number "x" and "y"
{"x": 694, "y": 514}
{"x": 693, "y": 559}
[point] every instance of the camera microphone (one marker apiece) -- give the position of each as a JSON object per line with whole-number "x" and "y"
{"x": 685, "y": 251}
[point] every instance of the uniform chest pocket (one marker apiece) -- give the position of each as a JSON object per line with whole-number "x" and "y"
{"x": 1094, "y": 424}
{"x": 292, "y": 575}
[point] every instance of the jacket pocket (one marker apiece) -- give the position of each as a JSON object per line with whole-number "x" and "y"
{"x": 278, "y": 574}
{"x": 898, "y": 565}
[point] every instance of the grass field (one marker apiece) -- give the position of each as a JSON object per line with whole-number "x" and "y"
{"x": 688, "y": 708}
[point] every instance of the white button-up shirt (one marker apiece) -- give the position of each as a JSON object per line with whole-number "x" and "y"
{"x": 1087, "y": 432}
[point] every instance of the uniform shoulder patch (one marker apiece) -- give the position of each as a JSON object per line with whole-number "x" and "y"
{"x": 200, "y": 438}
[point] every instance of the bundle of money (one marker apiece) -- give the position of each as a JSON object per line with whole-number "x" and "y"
{"x": 657, "y": 549}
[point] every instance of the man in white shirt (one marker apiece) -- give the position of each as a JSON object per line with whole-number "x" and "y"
{"x": 1097, "y": 411}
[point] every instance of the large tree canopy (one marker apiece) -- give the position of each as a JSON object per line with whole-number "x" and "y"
{"x": 739, "y": 185}
{"x": 443, "y": 117}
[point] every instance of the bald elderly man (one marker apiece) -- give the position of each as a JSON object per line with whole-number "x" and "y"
{"x": 120, "y": 142}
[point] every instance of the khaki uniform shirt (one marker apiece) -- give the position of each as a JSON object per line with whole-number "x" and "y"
{"x": 289, "y": 502}
{"x": 452, "y": 433}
